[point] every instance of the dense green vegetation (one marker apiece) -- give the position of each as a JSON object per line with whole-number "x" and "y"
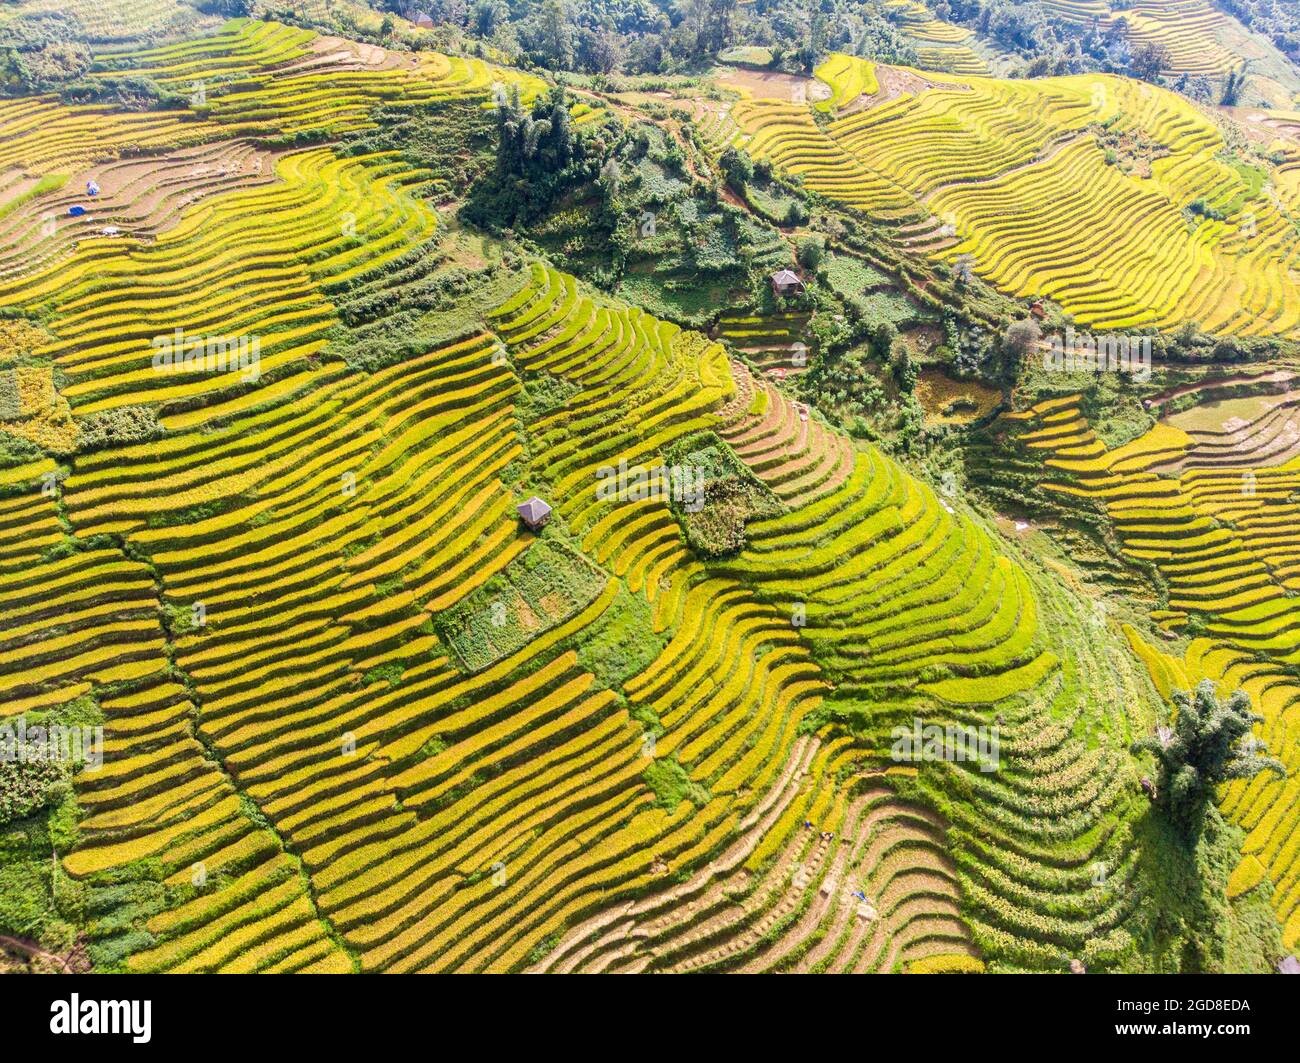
{"x": 1207, "y": 744}
{"x": 39, "y": 902}
{"x": 1191, "y": 850}
{"x": 658, "y": 37}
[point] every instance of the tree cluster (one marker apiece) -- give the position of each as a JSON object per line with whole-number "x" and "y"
{"x": 1207, "y": 743}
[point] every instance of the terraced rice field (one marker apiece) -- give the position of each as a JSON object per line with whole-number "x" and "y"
{"x": 939, "y": 45}
{"x": 121, "y": 20}
{"x": 1189, "y": 30}
{"x": 359, "y": 717}
{"x": 799, "y": 912}
{"x": 848, "y": 79}
{"x": 1212, "y": 510}
{"x": 1015, "y": 172}
{"x": 776, "y": 342}
{"x": 250, "y": 78}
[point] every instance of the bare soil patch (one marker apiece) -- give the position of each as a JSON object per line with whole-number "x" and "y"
{"x": 771, "y": 85}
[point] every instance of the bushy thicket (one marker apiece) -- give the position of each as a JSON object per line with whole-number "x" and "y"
{"x": 41, "y": 52}
{"x": 391, "y": 313}
{"x": 29, "y": 784}
{"x": 1051, "y": 46}
{"x": 1208, "y": 742}
{"x": 118, "y": 427}
{"x": 130, "y": 92}
{"x": 538, "y": 157}
{"x": 666, "y": 37}
{"x": 733, "y": 496}
{"x": 453, "y": 139}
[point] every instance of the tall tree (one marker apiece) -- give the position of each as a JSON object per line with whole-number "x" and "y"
{"x": 556, "y": 35}
{"x": 1202, "y": 748}
{"x": 708, "y": 23}
{"x": 1236, "y": 81}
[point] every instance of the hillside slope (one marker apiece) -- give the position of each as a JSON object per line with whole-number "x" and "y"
{"x": 360, "y": 716}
